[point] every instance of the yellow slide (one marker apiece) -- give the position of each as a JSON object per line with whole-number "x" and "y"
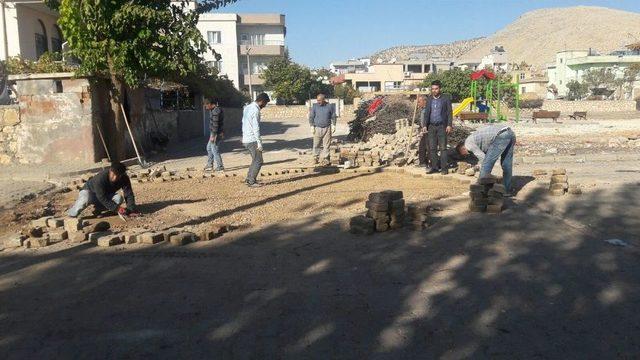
{"x": 462, "y": 105}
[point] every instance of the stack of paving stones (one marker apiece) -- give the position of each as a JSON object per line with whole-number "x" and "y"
{"x": 486, "y": 196}
{"x": 559, "y": 184}
{"x": 385, "y": 210}
{"x": 417, "y": 216}
{"x": 464, "y": 168}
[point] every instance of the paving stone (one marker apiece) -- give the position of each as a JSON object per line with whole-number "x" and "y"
{"x": 361, "y": 225}
{"x": 476, "y": 188}
{"x": 32, "y": 231}
{"x": 151, "y": 238}
{"x": 379, "y": 197}
{"x": 539, "y": 172}
{"x": 170, "y": 232}
{"x": 559, "y": 186}
{"x": 58, "y": 235}
{"x": 377, "y": 206}
{"x": 55, "y": 223}
{"x": 41, "y": 222}
{"x": 26, "y": 244}
{"x": 39, "y": 242}
{"x": 73, "y": 224}
{"x": 381, "y": 225}
{"x": 14, "y": 241}
{"x": 132, "y": 236}
{"x": 182, "y": 238}
{"x": 574, "y": 190}
{"x": 480, "y": 202}
{"x": 499, "y": 188}
{"x": 494, "y": 209}
{"x": 382, "y": 215}
{"x": 559, "y": 172}
{"x": 557, "y": 192}
{"x": 489, "y": 180}
{"x": 100, "y": 226}
{"x": 94, "y": 236}
{"x": 393, "y": 194}
{"x": 397, "y": 205}
{"x": 559, "y": 179}
{"x": 110, "y": 240}
{"x": 470, "y": 172}
{"x": 77, "y": 236}
{"x": 477, "y": 208}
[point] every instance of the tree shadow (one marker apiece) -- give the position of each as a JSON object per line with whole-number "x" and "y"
{"x": 523, "y": 284}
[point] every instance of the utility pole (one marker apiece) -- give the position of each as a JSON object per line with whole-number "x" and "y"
{"x": 249, "y": 71}
{"x": 4, "y": 31}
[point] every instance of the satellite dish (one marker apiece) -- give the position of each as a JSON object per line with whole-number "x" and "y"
{"x": 5, "y": 98}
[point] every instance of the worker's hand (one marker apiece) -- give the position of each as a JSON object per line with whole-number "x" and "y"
{"x": 448, "y": 129}
{"x": 122, "y": 211}
{"x": 134, "y": 213}
{"x": 313, "y": 130}
{"x": 221, "y": 135}
{"x": 212, "y": 138}
{"x": 259, "y": 148}
{"x": 333, "y": 129}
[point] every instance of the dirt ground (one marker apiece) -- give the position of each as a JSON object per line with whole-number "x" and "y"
{"x": 538, "y": 281}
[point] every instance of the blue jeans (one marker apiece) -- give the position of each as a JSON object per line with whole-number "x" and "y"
{"x": 502, "y": 146}
{"x": 86, "y": 198}
{"x": 213, "y": 152}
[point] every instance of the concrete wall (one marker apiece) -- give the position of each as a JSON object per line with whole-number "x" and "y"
{"x": 589, "y": 106}
{"x": 299, "y": 112}
{"x": 228, "y": 48}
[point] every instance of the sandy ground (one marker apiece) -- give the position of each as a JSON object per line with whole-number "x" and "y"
{"x": 537, "y": 281}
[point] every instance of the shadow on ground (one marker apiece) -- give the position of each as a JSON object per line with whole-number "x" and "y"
{"x": 524, "y": 284}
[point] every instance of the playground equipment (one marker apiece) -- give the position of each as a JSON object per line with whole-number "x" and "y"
{"x": 488, "y": 104}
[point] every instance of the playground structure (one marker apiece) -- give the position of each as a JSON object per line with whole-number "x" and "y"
{"x": 488, "y": 104}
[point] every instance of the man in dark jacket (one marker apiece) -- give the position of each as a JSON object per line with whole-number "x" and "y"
{"x": 216, "y": 124}
{"x": 437, "y": 122}
{"x": 101, "y": 189}
{"x": 322, "y": 120}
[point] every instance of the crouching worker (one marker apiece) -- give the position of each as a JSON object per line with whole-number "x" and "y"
{"x": 488, "y": 144}
{"x": 101, "y": 189}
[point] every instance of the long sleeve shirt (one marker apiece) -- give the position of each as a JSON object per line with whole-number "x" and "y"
{"x": 216, "y": 121}
{"x": 442, "y": 105}
{"x": 104, "y": 190}
{"x": 251, "y": 124}
{"x": 322, "y": 115}
{"x": 479, "y": 141}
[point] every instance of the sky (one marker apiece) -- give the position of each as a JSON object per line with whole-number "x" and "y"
{"x": 319, "y": 32}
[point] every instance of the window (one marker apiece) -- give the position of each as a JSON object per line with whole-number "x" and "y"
{"x": 42, "y": 44}
{"x": 524, "y": 90}
{"x": 216, "y": 65}
{"x": 414, "y": 68}
{"x": 252, "y": 39}
{"x": 560, "y": 60}
{"x": 521, "y": 76}
{"x": 56, "y": 40}
{"x": 560, "y": 82}
{"x": 214, "y": 37}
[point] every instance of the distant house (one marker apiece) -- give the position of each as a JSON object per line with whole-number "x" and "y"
{"x": 29, "y": 30}
{"x": 497, "y": 59}
{"x": 350, "y": 66}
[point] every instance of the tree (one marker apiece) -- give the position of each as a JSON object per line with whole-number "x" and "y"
{"x": 631, "y": 75}
{"x": 345, "y": 92}
{"x": 455, "y": 82}
{"x": 127, "y": 42}
{"x": 600, "y": 78}
{"x": 288, "y": 80}
{"x": 577, "y": 90}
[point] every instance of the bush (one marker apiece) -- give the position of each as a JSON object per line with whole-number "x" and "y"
{"x": 47, "y": 63}
{"x": 346, "y": 92}
{"x": 531, "y": 103}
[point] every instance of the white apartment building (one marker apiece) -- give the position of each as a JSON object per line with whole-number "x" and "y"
{"x": 350, "y": 66}
{"x": 28, "y": 29}
{"x": 246, "y": 43}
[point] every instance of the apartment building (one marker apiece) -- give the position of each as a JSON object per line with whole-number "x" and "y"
{"x": 246, "y": 44}
{"x": 350, "y": 66}
{"x": 29, "y": 29}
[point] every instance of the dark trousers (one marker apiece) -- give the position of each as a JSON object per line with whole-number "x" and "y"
{"x": 437, "y": 138}
{"x": 422, "y": 150}
{"x": 256, "y": 162}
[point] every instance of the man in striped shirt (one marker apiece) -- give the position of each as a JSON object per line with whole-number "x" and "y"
{"x": 489, "y": 143}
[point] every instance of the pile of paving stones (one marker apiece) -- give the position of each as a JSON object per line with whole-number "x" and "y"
{"x": 486, "y": 196}
{"x": 559, "y": 183}
{"x": 49, "y": 230}
{"x": 464, "y": 168}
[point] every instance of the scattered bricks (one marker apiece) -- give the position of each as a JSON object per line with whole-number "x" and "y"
{"x": 211, "y": 232}
{"x": 151, "y": 238}
{"x": 26, "y": 244}
{"x": 377, "y": 206}
{"x": 489, "y": 180}
{"x": 557, "y": 192}
{"x": 474, "y": 208}
{"x": 539, "y": 172}
{"x": 378, "y": 215}
{"x": 58, "y": 235}
{"x": 39, "y": 242}
{"x": 73, "y": 224}
{"x": 381, "y": 225}
{"x": 183, "y": 238}
{"x": 574, "y": 190}
{"x": 392, "y": 194}
{"x": 361, "y": 225}
{"x": 495, "y": 194}
{"x": 55, "y": 223}
{"x": 100, "y": 226}
{"x": 396, "y": 221}
{"x": 477, "y": 188}
{"x": 499, "y": 188}
{"x": 480, "y": 202}
{"x": 110, "y": 240}
{"x": 397, "y": 206}
{"x": 77, "y": 237}
{"x": 170, "y": 232}
{"x": 14, "y": 241}
{"x": 559, "y": 179}
{"x": 41, "y": 222}
{"x": 470, "y": 172}
{"x": 558, "y": 172}
{"x": 94, "y": 236}
{"x": 32, "y": 231}
{"x": 559, "y": 186}
{"x": 494, "y": 209}
{"x": 463, "y": 167}
{"x": 380, "y": 197}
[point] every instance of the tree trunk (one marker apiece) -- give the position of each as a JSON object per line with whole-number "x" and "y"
{"x": 117, "y": 95}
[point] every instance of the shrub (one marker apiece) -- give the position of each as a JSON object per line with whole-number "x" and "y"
{"x": 531, "y": 103}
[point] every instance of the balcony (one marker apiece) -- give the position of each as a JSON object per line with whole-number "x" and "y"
{"x": 255, "y": 79}
{"x": 262, "y": 19}
{"x": 269, "y": 48}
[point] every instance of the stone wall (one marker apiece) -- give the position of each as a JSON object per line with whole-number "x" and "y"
{"x": 272, "y": 112}
{"x": 9, "y": 122}
{"x": 567, "y": 107}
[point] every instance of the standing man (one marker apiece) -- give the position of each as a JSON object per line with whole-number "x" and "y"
{"x": 488, "y": 144}
{"x": 216, "y": 123}
{"x": 437, "y": 122}
{"x": 322, "y": 119}
{"x": 422, "y": 145}
{"x": 251, "y": 137}
{"x": 101, "y": 190}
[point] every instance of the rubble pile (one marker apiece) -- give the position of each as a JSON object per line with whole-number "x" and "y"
{"x": 486, "y": 196}
{"x": 371, "y": 119}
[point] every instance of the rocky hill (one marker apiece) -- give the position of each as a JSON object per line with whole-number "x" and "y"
{"x": 451, "y": 51}
{"x": 536, "y": 36}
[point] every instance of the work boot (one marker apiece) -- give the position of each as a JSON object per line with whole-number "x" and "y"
{"x": 432, "y": 171}
{"x": 314, "y": 161}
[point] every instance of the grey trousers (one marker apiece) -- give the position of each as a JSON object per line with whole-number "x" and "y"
{"x": 256, "y": 162}
{"x": 321, "y": 136}
{"x": 86, "y": 198}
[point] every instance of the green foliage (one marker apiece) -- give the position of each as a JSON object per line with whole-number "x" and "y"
{"x": 455, "y": 82}
{"x": 293, "y": 82}
{"x": 531, "y": 103}
{"x": 346, "y": 92}
{"x": 204, "y": 6}
{"x": 599, "y": 78}
{"x": 577, "y": 90}
{"x": 207, "y": 82}
{"x": 48, "y": 63}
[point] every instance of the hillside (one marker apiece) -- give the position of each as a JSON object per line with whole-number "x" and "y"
{"x": 451, "y": 50}
{"x": 536, "y": 36}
